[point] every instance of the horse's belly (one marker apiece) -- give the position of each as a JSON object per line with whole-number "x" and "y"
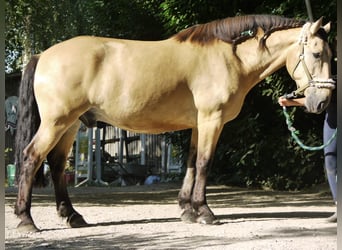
{"x": 149, "y": 108}
{"x": 157, "y": 119}
{"x": 154, "y": 123}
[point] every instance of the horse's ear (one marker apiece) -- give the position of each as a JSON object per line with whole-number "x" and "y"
{"x": 327, "y": 27}
{"x": 315, "y": 26}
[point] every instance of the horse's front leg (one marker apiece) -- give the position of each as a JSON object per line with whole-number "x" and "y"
{"x": 208, "y": 134}
{"x": 184, "y": 196}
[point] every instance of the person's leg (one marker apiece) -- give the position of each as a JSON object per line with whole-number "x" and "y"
{"x": 330, "y": 162}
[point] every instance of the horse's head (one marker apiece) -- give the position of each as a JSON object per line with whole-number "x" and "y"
{"x": 309, "y": 65}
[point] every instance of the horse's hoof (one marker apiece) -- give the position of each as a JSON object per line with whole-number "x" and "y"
{"x": 27, "y": 228}
{"x": 188, "y": 216}
{"x": 76, "y": 220}
{"x": 208, "y": 220}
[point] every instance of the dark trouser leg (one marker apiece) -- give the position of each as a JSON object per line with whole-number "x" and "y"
{"x": 330, "y": 154}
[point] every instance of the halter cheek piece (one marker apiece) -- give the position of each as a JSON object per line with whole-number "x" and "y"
{"x": 317, "y": 83}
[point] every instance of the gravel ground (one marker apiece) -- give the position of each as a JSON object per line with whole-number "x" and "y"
{"x": 147, "y": 217}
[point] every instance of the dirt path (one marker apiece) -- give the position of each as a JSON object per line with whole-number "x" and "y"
{"x": 147, "y": 217}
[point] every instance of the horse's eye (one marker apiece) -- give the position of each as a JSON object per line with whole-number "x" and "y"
{"x": 316, "y": 55}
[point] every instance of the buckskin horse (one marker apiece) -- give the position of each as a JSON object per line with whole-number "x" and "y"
{"x": 196, "y": 79}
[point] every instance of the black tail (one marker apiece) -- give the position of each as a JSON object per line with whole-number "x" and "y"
{"x": 28, "y": 118}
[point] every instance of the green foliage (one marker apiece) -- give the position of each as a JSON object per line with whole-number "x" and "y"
{"x": 7, "y": 152}
{"x": 181, "y": 142}
{"x": 34, "y": 25}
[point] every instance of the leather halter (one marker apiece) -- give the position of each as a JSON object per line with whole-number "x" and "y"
{"x": 317, "y": 83}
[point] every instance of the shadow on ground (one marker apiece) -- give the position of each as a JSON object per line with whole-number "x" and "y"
{"x": 166, "y": 193}
{"x": 160, "y": 240}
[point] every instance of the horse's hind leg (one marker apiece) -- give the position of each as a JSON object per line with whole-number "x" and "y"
{"x": 57, "y": 160}
{"x": 23, "y": 203}
{"x": 34, "y": 154}
{"x": 184, "y": 196}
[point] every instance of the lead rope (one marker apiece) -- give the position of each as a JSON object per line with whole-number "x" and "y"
{"x": 295, "y": 132}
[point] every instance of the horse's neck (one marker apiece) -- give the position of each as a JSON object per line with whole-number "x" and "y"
{"x": 263, "y": 62}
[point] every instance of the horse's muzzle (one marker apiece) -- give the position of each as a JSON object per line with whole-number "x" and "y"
{"x": 316, "y": 104}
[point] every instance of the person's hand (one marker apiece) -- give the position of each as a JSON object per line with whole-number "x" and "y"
{"x": 283, "y": 101}
{"x": 291, "y": 102}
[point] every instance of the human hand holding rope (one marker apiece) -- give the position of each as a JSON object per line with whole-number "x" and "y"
{"x": 284, "y": 102}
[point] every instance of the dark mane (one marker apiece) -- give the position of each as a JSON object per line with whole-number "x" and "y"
{"x": 237, "y": 29}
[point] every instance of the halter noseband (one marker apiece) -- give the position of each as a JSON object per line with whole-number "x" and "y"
{"x": 317, "y": 83}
